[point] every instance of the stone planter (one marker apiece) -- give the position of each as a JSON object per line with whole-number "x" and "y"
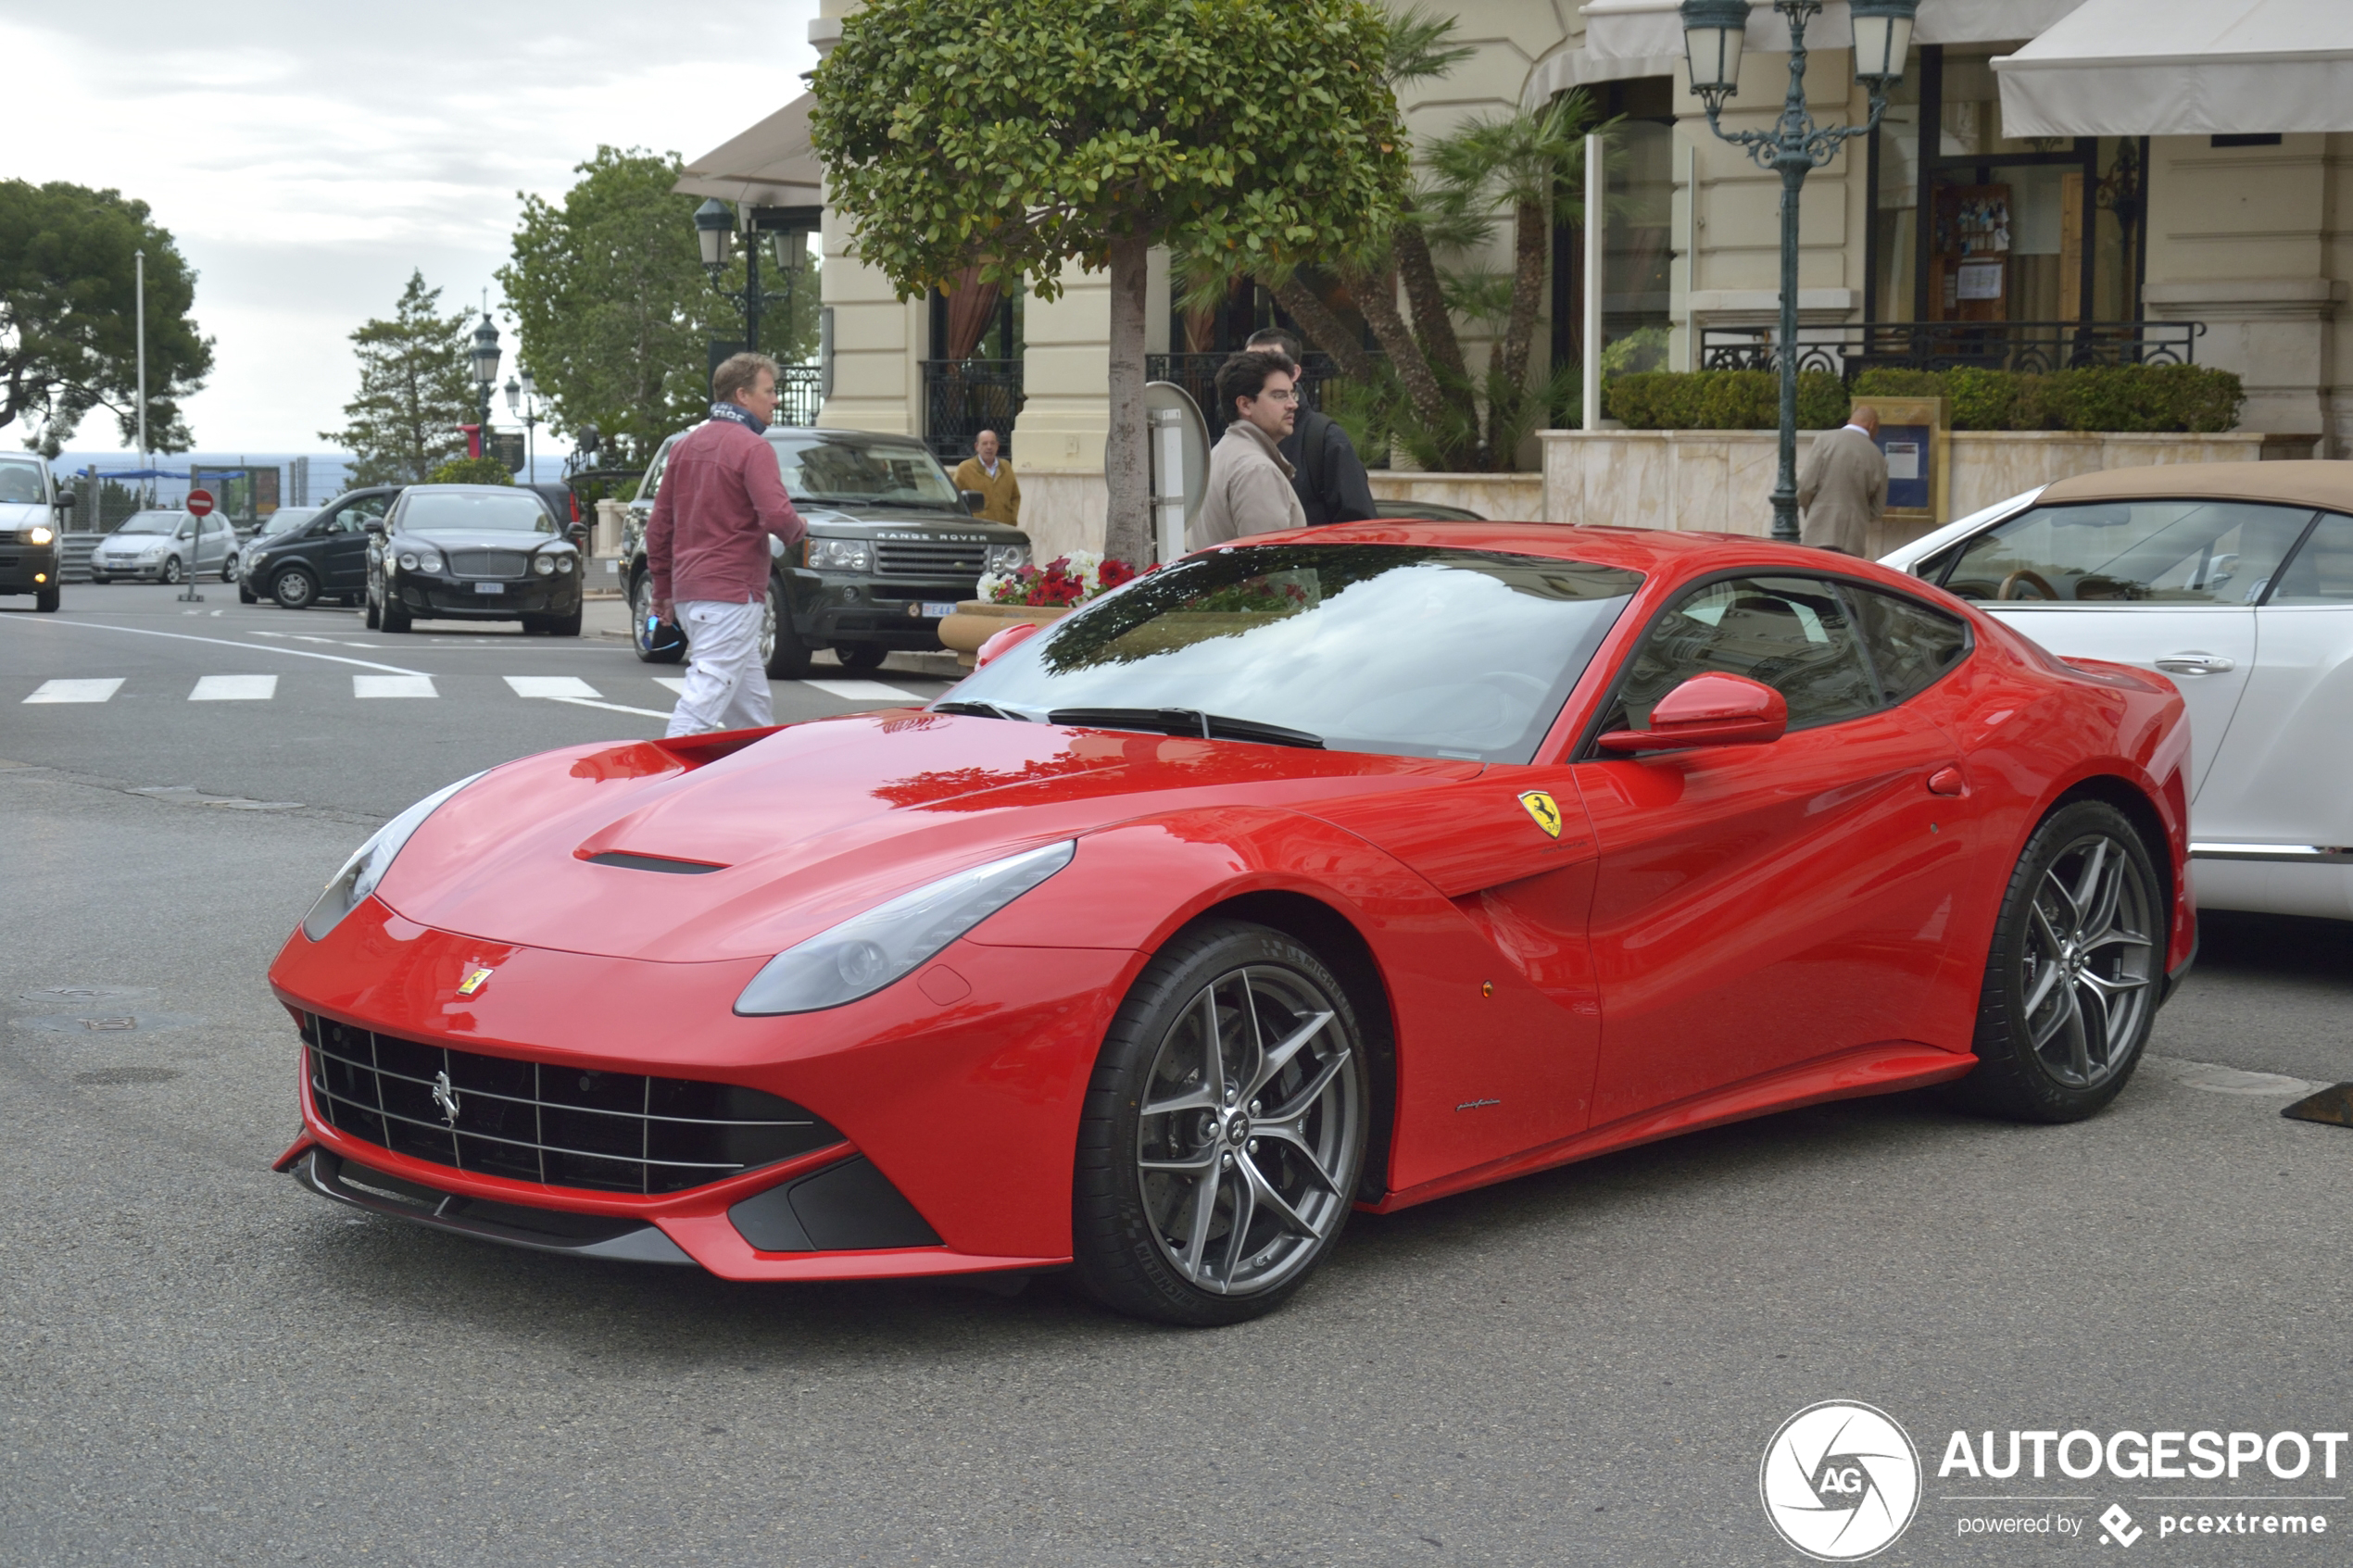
{"x": 976, "y": 621}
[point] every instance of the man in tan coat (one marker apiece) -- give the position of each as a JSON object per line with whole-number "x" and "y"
{"x": 1001, "y": 491}
{"x": 1249, "y": 489}
{"x": 1843, "y": 485}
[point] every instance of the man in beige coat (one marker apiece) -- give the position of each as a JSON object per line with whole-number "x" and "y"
{"x": 1249, "y": 489}
{"x": 1843, "y": 487}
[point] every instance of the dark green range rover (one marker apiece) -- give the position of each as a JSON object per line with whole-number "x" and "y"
{"x": 890, "y": 549}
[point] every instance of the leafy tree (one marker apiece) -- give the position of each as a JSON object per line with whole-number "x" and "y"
{"x": 68, "y": 334}
{"x": 471, "y": 471}
{"x": 416, "y": 388}
{"x": 1021, "y": 140}
{"x": 615, "y": 311}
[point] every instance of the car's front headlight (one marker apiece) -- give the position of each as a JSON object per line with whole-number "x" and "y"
{"x": 420, "y": 560}
{"x": 544, "y": 565}
{"x": 39, "y": 534}
{"x": 867, "y": 952}
{"x": 370, "y": 861}
{"x": 841, "y": 554}
{"x": 1007, "y": 557}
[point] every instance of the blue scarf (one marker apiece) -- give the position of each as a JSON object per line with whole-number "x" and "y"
{"x": 740, "y": 414}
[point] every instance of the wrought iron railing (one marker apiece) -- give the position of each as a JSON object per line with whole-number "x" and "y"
{"x": 963, "y": 397}
{"x": 798, "y": 394}
{"x": 2037, "y": 347}
{"x": 1196, "y": 373}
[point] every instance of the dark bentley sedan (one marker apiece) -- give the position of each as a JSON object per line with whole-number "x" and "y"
{"x": 474, "y": 552}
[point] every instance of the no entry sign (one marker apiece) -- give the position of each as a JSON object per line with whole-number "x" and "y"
{"x": 200, "y": 502}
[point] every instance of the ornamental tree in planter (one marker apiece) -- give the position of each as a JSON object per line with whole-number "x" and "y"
{"x": 1017, "y": 140}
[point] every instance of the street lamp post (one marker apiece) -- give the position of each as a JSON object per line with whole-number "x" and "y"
{"x": 713, "y": 225}
{"x": 485, "y": 355}
{"x": 1713, "y": 34}
{"x": 522, "y": 401}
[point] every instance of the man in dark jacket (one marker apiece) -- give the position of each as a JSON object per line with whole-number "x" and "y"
{"x": 1326, "y": 470}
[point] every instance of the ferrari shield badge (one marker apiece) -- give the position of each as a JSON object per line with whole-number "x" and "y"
{"x": 1545, "y": 810}
{"x": 481, "y": 977}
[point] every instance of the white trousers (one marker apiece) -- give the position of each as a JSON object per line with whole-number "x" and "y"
{"x": 726, "y": 687}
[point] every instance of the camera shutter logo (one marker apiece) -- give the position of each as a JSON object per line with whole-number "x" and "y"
{"x": 1840, "y": 1481}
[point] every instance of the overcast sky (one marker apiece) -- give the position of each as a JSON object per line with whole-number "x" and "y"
{"x": 306, "y": 157}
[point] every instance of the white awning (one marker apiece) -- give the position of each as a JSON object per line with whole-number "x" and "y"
{"x": 2173, "y": 68}
{"x": 769, "y": 164}
{"x": 1650, "y": 29}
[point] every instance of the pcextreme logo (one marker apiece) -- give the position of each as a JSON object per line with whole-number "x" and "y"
{"x": 1840, "y": 1481}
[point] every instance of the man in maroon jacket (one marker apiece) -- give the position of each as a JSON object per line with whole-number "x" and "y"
{"x": 722, "y": 497}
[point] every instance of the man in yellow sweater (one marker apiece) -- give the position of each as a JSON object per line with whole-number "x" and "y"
{"x": 993, "y": 479}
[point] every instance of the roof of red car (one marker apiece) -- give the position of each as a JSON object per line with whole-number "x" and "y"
{"x": 1636, "y": 549}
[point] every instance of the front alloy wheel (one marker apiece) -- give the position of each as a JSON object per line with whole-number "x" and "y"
{"x": 1224, "y": 1132}
{"x": 2072, "y": 982}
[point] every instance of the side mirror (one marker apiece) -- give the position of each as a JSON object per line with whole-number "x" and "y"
{"x": 578, "y": 534}
{"x": 1708, "y": 710}
{"x": 374, "y": 526}
{"x": 974, "y": 500}
{"x": 1006, "y": 641}
{"x": 64, "y": 502}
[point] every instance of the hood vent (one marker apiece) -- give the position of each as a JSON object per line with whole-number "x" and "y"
{"x": 652, "y": 863}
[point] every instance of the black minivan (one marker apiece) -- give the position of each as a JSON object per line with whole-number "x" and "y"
{"x": 326, "y": 558}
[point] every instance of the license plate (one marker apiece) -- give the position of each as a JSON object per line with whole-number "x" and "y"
{"x": 934, "y": 610}
{"x": 490, "y": 587}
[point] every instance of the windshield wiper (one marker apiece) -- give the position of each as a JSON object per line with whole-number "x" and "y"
{"x": 1182, "y": 721}
{"x": 980, "y": 710}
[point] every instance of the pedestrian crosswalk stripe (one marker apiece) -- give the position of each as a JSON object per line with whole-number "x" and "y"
{"x": 864, "y": 691}
{"x": 76, "y": 691}
{"x": 551, "y": 685}
{"x": 393, "y": 685}
{"x": 234, "y": 688}
{"x": 675, "y": 683}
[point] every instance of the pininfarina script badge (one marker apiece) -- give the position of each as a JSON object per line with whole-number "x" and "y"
{"x": 473, "y": 983}
{"x": 1545, "y": 810}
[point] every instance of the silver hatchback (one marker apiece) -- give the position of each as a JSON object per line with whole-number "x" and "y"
{"x": 166, "y": 546}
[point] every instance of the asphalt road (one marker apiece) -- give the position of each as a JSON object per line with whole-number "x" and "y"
{"x": 200, "y": 1364}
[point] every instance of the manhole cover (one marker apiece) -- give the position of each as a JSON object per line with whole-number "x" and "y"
{"x": 112, "y": 1024}
{"x": 86, "y": 996}
{"x": 106, "y": 1077}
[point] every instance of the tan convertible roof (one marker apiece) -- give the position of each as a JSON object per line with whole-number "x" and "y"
{"x": 2301, "y": 483}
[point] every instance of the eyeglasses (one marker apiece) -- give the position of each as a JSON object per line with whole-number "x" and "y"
{"x": 1289, "y": 396}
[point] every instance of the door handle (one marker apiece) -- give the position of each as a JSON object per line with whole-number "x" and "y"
{"x": 2196, "y": 663}
{"x": 1947, "y": 781}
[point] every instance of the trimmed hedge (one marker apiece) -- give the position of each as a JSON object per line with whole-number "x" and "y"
{"x": 2176, "y": 399}
{"x": 1722, "y": 400}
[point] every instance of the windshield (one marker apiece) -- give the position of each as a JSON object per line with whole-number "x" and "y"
{"x": 454, "y": 512}
{"x": 1410, "y": 650}
{"x": 829, "y": 466}
{"x": 287, "y": 518}
{"x": 154, "y": 522}
{"x": 2146, "y": 552}
{"x": 21, "y": 482}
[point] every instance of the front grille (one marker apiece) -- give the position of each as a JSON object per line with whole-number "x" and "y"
{"x": 489, "y": 563}
{"x": 943, "y": 557}
{"x": 537, "y": 1122}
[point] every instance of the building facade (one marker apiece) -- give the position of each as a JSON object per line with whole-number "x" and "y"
{"x": 2232, "y": 249}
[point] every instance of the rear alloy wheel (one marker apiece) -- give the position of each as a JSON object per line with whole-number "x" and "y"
{"x": 1224, "y": 1130}
{"x": 295, "y": 589}
{"x": 2072, "y": 981}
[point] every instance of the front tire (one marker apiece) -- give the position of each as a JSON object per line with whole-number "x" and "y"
{"x": 229, "y": 569}
{"x": 171, "y": 572}
{"x": 1224, "y": 1130}
{"x": 2072, "y": 980}
{"x": 782, "y": 653}
{"x": 245, "y": 596}
{"x": 295, "y": 589}
{"x": 375, "y": 616}
{"x": 862, "y": 656}
{"x": 395, "y": 616}
{"x": 45, "y": 600}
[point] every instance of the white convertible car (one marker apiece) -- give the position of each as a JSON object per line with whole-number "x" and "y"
{"x": 2236, "y": 581}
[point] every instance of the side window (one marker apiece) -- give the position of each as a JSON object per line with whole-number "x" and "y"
{"x": 1911, "y": 645}
{"x": 651, "y": 483}
{"x": 2321, "y": 573}
{"x": 2139, "y": 552}
{"x": 1790, "y": 632}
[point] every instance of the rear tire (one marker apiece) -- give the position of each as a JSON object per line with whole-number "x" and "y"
{"x": 295, "y": 589}
{"x": 2073, "y": 976}
{"x": 649, "y": 648}
{"x": 862, "y": 656}
{"x": 374, "y": 617}
{"x": 1224, "y": 1130}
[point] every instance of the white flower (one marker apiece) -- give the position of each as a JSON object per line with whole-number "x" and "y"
{"x": 989, "y": 583}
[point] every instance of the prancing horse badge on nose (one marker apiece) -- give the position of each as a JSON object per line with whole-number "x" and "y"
{"x": 481, "y": 977}
{"x": 1545, "y": 810}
